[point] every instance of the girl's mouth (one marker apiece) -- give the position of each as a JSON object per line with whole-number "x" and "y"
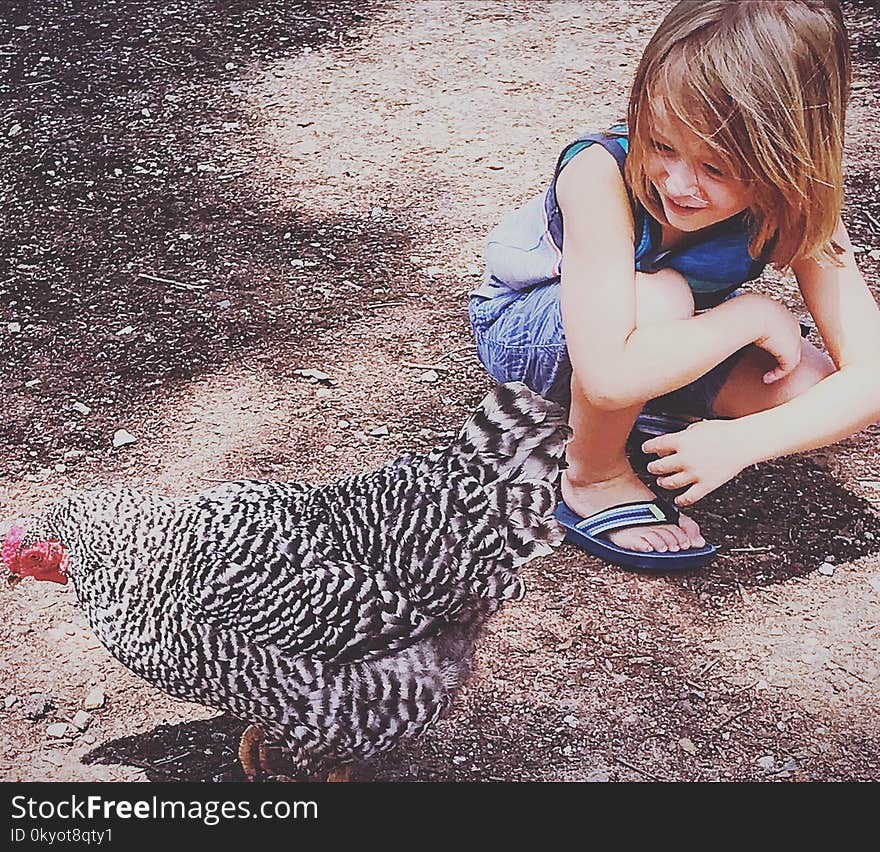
{"x": 683, "y": 209}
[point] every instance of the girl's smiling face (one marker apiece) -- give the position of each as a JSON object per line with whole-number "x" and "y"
{"x": 694, "y": 185}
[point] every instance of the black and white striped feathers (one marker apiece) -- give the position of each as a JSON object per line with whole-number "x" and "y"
{"x": 339, "y": 618}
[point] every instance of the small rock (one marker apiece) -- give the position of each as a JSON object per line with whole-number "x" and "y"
{"x": 473, "y": 270}
{"x": 827, "y": 569}
{"x": 73, "y": 455}
{"x": 874, "y": 254}
{"x": 458, "y": 760}
{"x": 434, "y": 271}
{"x": 60, "y": 468}
{"x": 323, "y": 393}
{"x": 9, "y": 700}
{"x": 33, "y": 383}
{"x": 122, "y": 438}
{"x": 37, "y": 707}
{"x": 767, "y": 762}
{"x": 79, "y": 408}
{"x": 415, "y": 259}
{"x": 571, "y": 721}
{"x": 376, "y": 213}
{"x": 123, "y": 332}
{"x": 314, "y": 375}
{"x": 224, "y": 303}
{"x": 81, "y": 720}
{"x": 88, "y": 739}
{"x": 230, "y": 66}
{"x": 687, "y": 745}
{"x": 379, "y": 432}
{"x": 55, "y": 758}
{"x": 343, "y": 424}
{"x": 13, "y": 327}
{"x": 429, "y": 376}
{"x": 14, "y": 130}
{"x": 94, "y": 699}
{"x": 58, "y": 729}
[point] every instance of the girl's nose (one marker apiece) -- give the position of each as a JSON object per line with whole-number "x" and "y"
{"x": 681, "y": 182}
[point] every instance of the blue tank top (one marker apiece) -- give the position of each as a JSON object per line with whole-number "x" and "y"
{"x": 714, "y": 266}
{"x": 525, "y": 249}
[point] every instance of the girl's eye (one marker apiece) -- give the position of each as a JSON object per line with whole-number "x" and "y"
{"x": 713, "y": 170}
{"x": 663, "y": 149}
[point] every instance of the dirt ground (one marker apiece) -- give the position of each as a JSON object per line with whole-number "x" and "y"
{"x": 200, "y": 199}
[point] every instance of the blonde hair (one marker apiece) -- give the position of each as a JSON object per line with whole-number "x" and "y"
{"x": 765, "y": 84}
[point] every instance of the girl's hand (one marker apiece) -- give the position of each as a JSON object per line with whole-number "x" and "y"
{"x": 704, "y": 456}
{"x": 781, "y": 338}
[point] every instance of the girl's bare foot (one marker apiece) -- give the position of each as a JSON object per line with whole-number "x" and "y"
{"x": 588, "y": 498}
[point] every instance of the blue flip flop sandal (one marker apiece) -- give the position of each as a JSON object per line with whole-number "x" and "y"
{"x": 585, "y": 532}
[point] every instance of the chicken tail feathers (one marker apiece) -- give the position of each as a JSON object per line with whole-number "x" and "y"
{"x": 514, "y": 445}
{"x": 514, "y": 434}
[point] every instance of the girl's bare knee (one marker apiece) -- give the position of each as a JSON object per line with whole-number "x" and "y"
{"x": 662, "y": 296}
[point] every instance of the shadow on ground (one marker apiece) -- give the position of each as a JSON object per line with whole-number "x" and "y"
{"x": 137, "y": 249}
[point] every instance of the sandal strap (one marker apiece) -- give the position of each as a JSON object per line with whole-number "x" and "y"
{"x": 638, "y": 514}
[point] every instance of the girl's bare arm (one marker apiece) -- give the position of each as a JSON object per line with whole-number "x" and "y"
{"x": 848, "y": 319}
{"x": 616, "y": 363}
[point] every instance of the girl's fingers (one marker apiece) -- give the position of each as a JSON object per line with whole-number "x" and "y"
{"x": 694, "y": 493}
{"x": 662, "y": 445}
{"x": 668, "y": 464}
{"x": 676, "y": 480}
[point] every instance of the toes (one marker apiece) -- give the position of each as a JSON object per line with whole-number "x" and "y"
{"x": 669, "y": 538}
{"x": 655, "y": 539}
{"x": 692, "y": 530}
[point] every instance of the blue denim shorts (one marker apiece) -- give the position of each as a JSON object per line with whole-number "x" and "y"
{"x": 519, "y": 337}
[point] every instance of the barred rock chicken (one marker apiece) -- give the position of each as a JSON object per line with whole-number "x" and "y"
{"x": 337, "y": 619}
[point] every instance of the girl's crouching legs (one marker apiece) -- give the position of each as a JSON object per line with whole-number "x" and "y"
{"x": 599, "y": 475}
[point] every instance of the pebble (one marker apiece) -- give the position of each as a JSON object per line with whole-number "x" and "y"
{"x": 9, "y": 700}
{"x": 13, "y": 327}
{"x": 315, "y": 375}
{"x": 827, "y": 569}
{"x": 122, "y": 438}
{"x": 124, "y": 331}
{"x": 323, "y": 393}
{"x": 94, "y": 699}
{"x": 767, "y": 762}
{"x": 60, "y": 468}
{"x": 33, "y": 383}
{"x": 379, "y": 432}
{"x": 81, "y": 720}
{"x": 376, "y": 213}
{"x": 88, "y": 739}
{"x": 571, "y": 721}
{"x": 55, "y": 758}
{"x": 72, "y": 455}
{"x": 224, "y": 303}
{"x": 458, "y": 760}
{"x": 429, "y": 376}
{"x": 14, "y": 130}
{"x": 58, "y": 729}
{"x": 230, "y": 66}
{"x": 434, "y": 271}
{"x": 36, "y": 707}
{"x": 687, "y": 745}
{"x": 80, "y": 408}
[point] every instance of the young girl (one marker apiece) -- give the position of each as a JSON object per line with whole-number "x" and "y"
{"x": 620, "y": 284}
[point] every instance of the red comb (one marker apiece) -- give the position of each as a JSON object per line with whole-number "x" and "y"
{"x": 11, "y": 544}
